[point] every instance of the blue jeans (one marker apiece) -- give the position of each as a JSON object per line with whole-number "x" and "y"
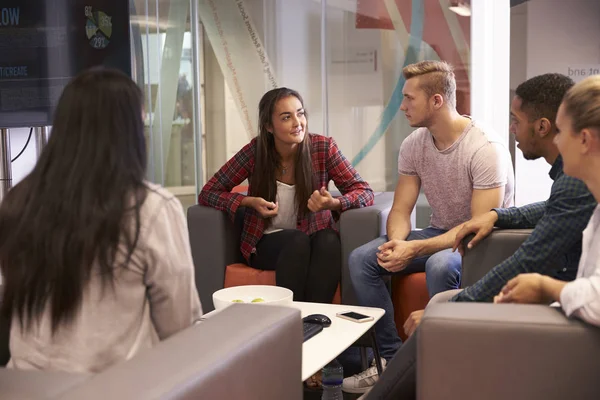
{"x": 442, "y": 269}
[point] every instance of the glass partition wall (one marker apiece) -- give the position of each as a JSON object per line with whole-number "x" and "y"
{"x": 205, "y": 65}
{"x": 162, "y": 56}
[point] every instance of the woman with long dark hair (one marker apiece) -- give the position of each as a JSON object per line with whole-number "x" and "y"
{"x": 96, "y": 261}
{"x": 288, "y": 223}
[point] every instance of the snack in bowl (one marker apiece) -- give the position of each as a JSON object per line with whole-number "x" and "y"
{"x": 252, "y": 294}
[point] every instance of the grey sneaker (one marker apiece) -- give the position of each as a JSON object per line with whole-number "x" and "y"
{"x": 361, "y": 383}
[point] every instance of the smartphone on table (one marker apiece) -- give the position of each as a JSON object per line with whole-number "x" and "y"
{"x": 354, "y": 316}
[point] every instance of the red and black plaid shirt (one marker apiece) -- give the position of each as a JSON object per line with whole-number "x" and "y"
{"x": 328, "y": 163}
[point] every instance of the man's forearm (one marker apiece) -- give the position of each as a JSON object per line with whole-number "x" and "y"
{"x": 432, "y": 245}
{"x": 398, "y": 225}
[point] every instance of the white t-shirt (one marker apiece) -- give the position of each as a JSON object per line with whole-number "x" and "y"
{"x": 581, "y": 297}
{"x": 287, "y": 216}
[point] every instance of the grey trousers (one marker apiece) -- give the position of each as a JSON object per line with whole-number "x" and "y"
{"x": 399, "y": 379}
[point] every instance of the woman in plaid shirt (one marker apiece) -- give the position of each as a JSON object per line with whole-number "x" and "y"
{"x": 289, "y": 216}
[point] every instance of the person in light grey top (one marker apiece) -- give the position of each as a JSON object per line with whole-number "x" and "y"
{"x": 96, "y": 261}
{"x": 477, "y": 160}
{"x": 578, "y": 140}
{"x": 464, "y": 171}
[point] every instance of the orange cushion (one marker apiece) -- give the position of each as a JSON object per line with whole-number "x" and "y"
{"x": 241, "y": 274}
{"x": 409, "y": 293}
{"x": 240, "y": 189}
{"x": 337, "y": 297}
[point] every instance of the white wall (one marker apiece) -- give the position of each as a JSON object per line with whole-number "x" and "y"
{"x": 490, "y": 64}
{"x": 557, "y": 35}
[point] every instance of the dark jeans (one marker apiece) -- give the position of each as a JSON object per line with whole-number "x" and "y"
{"x": 310, "y": 266}
{"x": 399, "y": 380}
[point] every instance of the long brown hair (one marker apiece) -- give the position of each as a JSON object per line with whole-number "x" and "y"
{"x": 267, "y": 160}
{"x": 80, "y": 202}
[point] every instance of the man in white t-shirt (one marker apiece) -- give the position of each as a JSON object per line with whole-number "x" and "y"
{"x": 463, "y": 172}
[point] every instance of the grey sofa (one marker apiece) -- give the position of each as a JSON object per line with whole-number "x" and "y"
{"x": 215, "y": 243}
{"x": 504, "y": 351}
{"x": 244, "y": 352}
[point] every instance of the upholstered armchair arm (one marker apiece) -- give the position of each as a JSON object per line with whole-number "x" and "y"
{"x": 491, "y": 251}
{"x": 215, "y": 244}
{"x": 505, "y": 351}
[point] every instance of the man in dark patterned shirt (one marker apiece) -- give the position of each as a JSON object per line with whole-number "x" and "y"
{"x": 554, "y": 246}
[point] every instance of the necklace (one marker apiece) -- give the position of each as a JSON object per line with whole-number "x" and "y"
{"x": 283, "y": 169}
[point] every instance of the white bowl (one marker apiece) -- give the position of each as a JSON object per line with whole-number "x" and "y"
{"x": 272, "y": 295}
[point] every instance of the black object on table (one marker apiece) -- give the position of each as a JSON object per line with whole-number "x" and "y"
{"x": 311, "y": 330}
{"x": 313, "y": 324}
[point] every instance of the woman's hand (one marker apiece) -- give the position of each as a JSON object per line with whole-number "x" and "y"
{"x": 265, "y": 209}
{"x": 323, "y": 200}
{"x": 524, "y": 289}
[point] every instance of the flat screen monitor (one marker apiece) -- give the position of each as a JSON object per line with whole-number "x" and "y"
{"x": 44, "y": 43}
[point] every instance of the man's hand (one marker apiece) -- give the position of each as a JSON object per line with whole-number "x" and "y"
{"x": 265, "y": 209}
{"x": 395, "y": 255}
{"x": 481, "y": 226}
{"x": 524, "y": 289}
{"x": 498, "y": 298}
{"x": 412, "y": 322}
{"x": 323, "y": 200}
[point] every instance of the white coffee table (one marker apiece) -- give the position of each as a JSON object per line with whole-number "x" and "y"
{"x": 319, "y": 350}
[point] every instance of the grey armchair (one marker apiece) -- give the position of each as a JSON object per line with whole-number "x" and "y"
{"x": 215, "y": 243}
{"x": 504, "y": 351}
{"x": 244, "y": 352}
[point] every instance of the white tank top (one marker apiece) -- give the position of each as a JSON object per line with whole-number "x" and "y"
{"x": 286, "y": 217}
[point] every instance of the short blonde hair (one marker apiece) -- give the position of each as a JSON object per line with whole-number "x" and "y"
{"x": 438, "y": 78}
{"x": 582, "y": 104}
